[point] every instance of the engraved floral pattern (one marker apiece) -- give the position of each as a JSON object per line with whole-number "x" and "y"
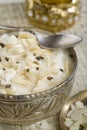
{"x": 27, "y": 112}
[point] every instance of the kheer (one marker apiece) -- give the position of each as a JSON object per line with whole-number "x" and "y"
{"x": 27, "y": 68}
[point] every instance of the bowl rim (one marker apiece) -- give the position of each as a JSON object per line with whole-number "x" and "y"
{"x": 45, "y": 92}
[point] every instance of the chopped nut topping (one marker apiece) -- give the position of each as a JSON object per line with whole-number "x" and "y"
{"x": 71, "y": 55}
{"x": 37, "y": 68}
{"x": 61, "y": 70}
{"x": 8, "y": 86}
{"x": 34, "y": 54}
{"x": 39, "y": 57}
{"x": 6, "y": 58}
{"x": 49, "y": 78}
{"x": 16, "y": 36}
{"x": 17, "y": 62}
{"x": 81, "y": 127}
{"x": 2, "y": 45}
{"x": 36, "y": 62}
{"x": 27, "y": 69}
{"x": 0, "y": 59}
{"x": 4, "y": 69}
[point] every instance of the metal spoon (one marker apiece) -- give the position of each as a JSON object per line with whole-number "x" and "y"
{"x": 56, "y": 41}
{"x": 51, "y": 42}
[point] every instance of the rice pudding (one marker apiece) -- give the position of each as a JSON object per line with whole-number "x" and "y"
{"x": 27, "y": 68}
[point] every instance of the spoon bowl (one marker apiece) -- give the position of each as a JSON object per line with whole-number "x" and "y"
{"x": 56, "y": 41}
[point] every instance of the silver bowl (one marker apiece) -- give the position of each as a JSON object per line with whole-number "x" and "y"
{"x": 30, "y": 108}
{"x": 81, "y": 96}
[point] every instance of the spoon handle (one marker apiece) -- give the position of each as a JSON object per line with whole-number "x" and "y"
{"x": 38, "y": 33}
{"x": 11, "y": 28}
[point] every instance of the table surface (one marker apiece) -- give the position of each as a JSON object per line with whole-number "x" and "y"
{"x": 10, "y": 1}
{"x": 14, "y": 14}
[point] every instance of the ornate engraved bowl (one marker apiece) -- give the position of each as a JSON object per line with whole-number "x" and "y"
{"x": 28, "y": 109}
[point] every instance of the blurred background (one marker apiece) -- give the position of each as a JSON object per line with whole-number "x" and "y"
{"x": 10, "y": 1}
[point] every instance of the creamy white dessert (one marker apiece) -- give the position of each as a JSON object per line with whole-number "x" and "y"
{"x": 26, "y": 68}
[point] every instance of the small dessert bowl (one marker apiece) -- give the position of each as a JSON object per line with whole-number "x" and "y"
{"x": 30, "y": 108}
{"x": 73, "y": 111}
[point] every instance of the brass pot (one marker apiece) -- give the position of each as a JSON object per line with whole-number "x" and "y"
{"x": 53, "y": 15}
{"x": 30, "y": 108}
